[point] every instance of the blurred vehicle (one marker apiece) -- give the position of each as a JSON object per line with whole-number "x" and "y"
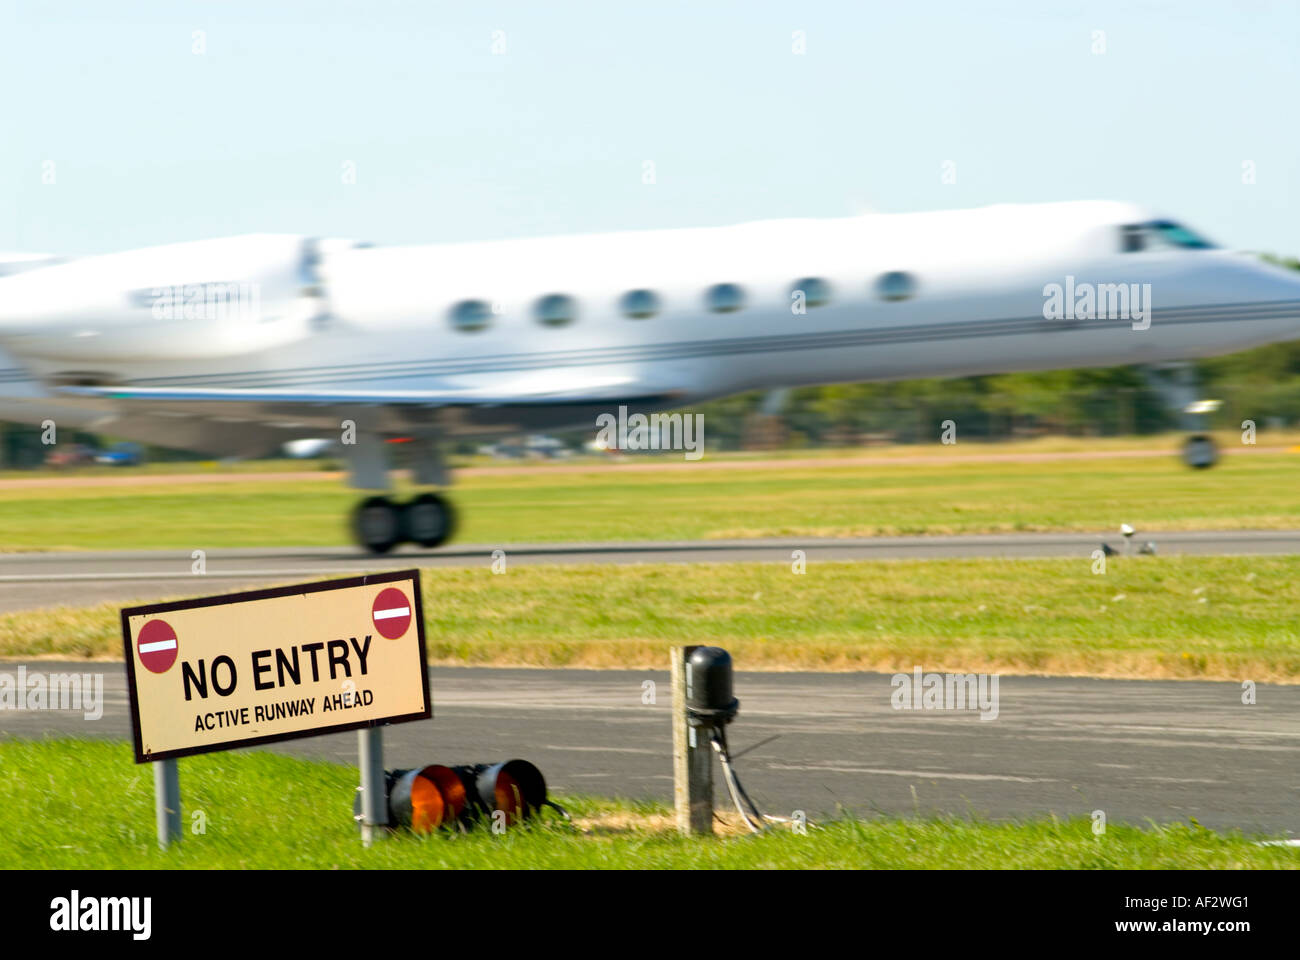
{"x": 307, "y": 448}
{"x": 124, "y": 454}
{"x": 540, "y": 445}
{"x": 536, "y": 446}
{"x": 70, "y": 455}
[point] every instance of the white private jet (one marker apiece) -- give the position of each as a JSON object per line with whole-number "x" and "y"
{"x": 234, "y": 346}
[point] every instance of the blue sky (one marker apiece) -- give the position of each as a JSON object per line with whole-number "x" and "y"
{"x": 151, "y": 142}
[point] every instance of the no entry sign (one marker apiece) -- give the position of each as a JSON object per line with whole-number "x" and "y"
{"x": 267, "y": 665}
{"x": 157, "y": 646}
{"x": 391, "y": 613}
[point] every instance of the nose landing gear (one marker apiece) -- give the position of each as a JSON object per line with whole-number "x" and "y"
{"x": 379, "y": 524}
{"x": 1200, "y": 452}
{"x": 1175, "y": 384}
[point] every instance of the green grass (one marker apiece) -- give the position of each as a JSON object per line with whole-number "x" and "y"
{"x": 1226, "y": 618}
{"x": 681, "y": 501}
{"x": 69, "y": 804}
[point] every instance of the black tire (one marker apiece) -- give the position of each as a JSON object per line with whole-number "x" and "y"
{"x": 428, "y": 520}
{"x": 377, "y": 524}
{"x": 1200, "y": 452}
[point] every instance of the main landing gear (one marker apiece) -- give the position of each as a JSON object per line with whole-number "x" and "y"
{"x": 379, "y": 524}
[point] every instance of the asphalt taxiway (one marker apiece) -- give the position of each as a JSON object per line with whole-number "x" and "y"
{"x": 33, "y": 580}
{"x": 1136, "y": 750}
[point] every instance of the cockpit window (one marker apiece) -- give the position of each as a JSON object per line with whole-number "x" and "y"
{"x": 1136, "y": 237}
{"x": 1177, "y": 235}
{"x": 1133, "y": 238}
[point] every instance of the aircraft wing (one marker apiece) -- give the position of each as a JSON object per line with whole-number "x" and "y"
{"x": 250, "y": 421}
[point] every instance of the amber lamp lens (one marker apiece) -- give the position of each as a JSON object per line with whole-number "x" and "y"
{"x": 509, "y": 797}
{"x": 452, "y": 789}
{"x": 427, "y": 806}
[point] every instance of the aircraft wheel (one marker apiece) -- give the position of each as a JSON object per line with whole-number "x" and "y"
{"x": 1200, "y": 451}
{"x": 428, "y": 520}
{"x": 377, "y": 524}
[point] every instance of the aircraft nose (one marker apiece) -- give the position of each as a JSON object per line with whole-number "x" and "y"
{"x": 1273, "y": 295}
{"x": 1242, "y": 278}
{"x": 1279, "y": 281}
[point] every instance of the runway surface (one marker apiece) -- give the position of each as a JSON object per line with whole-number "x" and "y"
{"x": 1137, "y": 750}
{"x": 33, "y": 580}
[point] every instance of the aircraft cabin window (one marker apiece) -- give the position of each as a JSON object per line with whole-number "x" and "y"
{"x": 469, "y": 316}
{"x": 556, "y": 309}
{"x": 639, "y": 304}
{"x": 816, "y": 291}
{"x": 724, "y": 298}
{"x": 895, "y": 285}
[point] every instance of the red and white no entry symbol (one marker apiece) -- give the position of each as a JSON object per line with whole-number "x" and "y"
{"x": 391, "y": 613}
{"x": 157, "y": 646}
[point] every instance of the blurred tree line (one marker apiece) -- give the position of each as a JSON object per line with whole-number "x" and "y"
{"x": 1261, "y": 385}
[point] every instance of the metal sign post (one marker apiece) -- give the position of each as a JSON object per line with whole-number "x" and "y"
{"x": 167, "y": 801}
{"x": 692, "y": 758}
{"x": 374, "y": 792}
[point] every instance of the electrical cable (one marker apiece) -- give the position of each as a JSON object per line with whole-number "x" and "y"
{"x": 740, "y": 788}
{"x": 755, "y": 823}
{"x": 737, "y": 789}
{"x": 559, "y": 809}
